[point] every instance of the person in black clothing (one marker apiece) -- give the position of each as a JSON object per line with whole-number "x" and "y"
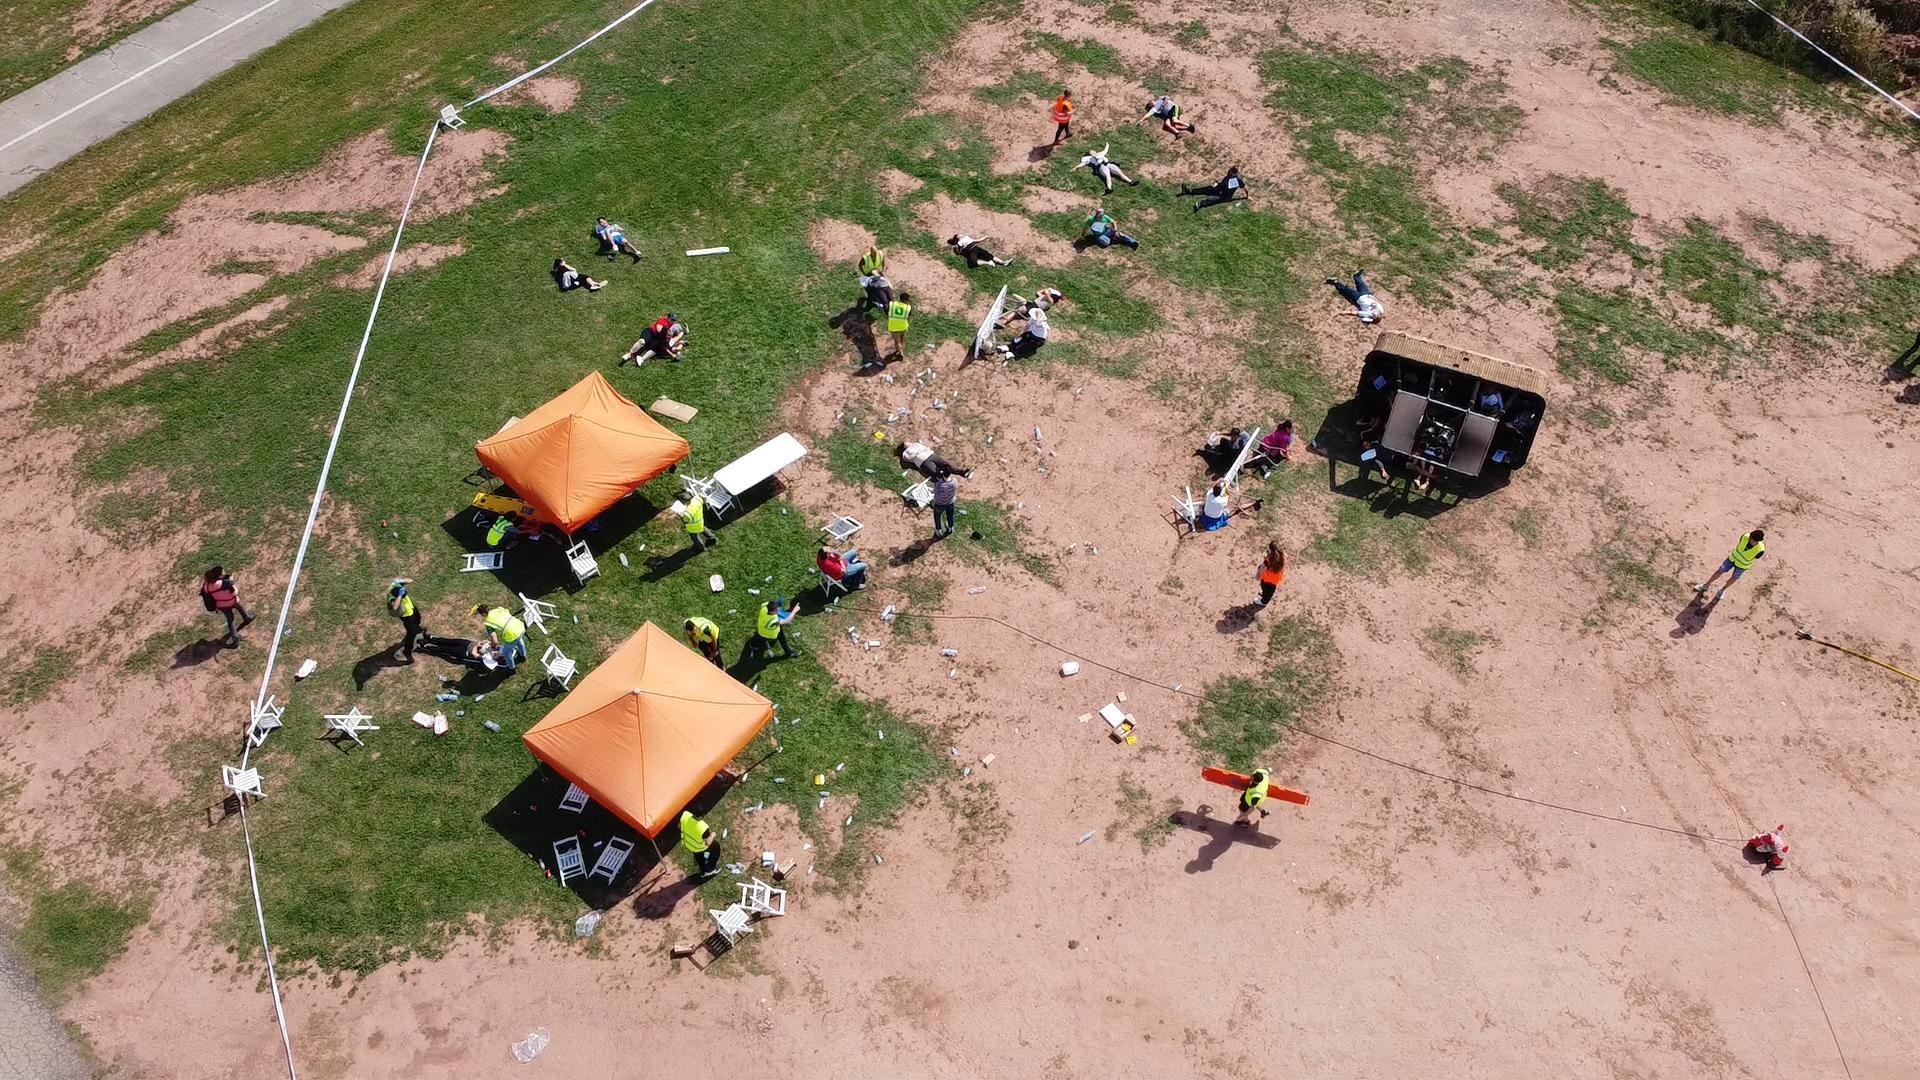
{"x": 1229, "y": 188}
{"x": 1911, "y": 358}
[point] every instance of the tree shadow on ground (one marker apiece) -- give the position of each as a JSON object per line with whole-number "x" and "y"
{"x": 1223, "y": 835}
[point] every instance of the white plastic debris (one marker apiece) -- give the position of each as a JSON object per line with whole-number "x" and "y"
{"x": 949, "y": 652}
{"x": 716, "y": 583}
{"x": 307, "y": 667}
{"x": 1069, "y": 669}
{"x": 530, "y": 1047}
{"x": 1086, "y": 836}
{"x": 583, "y": 926}
{"x": 887, "y": 613}
{"x": 976, "y": 590}
{"x": 697, "y": 252}
{"x": 623, "y": 559}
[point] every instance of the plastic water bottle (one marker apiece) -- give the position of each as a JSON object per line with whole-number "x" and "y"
{"x": 490, "y": 726}
{"x": 447, "y": 696}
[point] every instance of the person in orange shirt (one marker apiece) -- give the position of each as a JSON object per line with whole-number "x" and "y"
{"x": 1062, "y": 116}
{"x": 1273, "y": 570}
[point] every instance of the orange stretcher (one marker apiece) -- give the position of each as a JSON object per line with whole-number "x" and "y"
{"x": 1239, "y": 782}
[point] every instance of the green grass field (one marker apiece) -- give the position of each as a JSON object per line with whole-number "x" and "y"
{"x": 703, "y": 123}
{"x": 37, "y": 36}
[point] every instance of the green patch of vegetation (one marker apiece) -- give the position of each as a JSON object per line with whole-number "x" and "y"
{"x": 46, "y": 667}
{"x": 1525, "y": 524}
{"x": 979, "y": 820}
{"x": 857, "y": 459}
{"x": 1021, "y": 84}
{"x": 1101, "y": 302}
{"x": 1121, "y": 13}
{"x": 1573, "y": 219}
{"x": 1242, "y": 718}
{"x": 1632, "y": 578}
{"x": 1786, "y": 244}
{"x": 1190, "y": 34}
{"x": 920, "y": 593}
{"x": 42, "y": 39}
{"x": 1709, "y": 269}
{"x": 1251, "y": 258}
{"x": 1691, "y": 70}
{"x": 1152, "y": 821}
{"x": 1889, "y": 301}
{"x": 73, "y": 932}
{"x": 1454, "y": 647}
{"x": 1368, "y": 536}
{"x": 1097, "y": 58}
{"x": 1597, "y": 330}
{"x": 985, "y": 530}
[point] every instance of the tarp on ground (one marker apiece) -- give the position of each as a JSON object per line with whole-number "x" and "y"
{"x": 580, "y": 453}
{"x": 648, "y": 728}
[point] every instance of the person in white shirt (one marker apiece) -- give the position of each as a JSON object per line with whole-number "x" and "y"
{"x": 920, "y": 457}
{"x": 1104, "y": 168}
{"x": 1367, "y": 307}
{"x": 968, "y": 248}
{"x": 1168, "y": 111}
{"x": 1018, "y": 307}
{"x": 1030, "y": 339}
{"x": 1230, "y": 188}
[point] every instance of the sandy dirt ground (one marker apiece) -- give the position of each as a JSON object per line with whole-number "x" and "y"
{"x": 1585, "y": 911}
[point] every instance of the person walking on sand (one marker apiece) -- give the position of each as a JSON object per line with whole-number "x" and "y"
{"x": 697, "y": 837}
{"x": 946, "y": 492}
{"x": 705, "y": 636}
{"x": 1062, "y": 117}
{"x": 1229, "y": 188}
{"x": 1101, "y": 229}
{"x": 507, "y": 633}
{"x": 400, "y": 603}
{"x": 899, "y": 315}
{"x": 1366, "y": 307}
{"x": 1749, "y": 549}
{"x": 1250, "y": 800}
{"x": 770, "y": 627}
{"x": 696, "y": 514}
{"x": 1100, "y": 165}
{"x": 1273, "y": 571}
{"x": 219, "y": 594}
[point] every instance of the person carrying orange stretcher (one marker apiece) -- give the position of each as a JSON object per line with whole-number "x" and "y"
{"x": 1773, "y": 845}
{"x": 1062, "y": 116}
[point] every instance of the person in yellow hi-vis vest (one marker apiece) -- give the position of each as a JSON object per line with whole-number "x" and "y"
{"x": 696, "y": 513}
{"x": 770, "y": 627}
{"x": 1250, "y": 799}
{"x": 705, "y": 635}
{"x": 1747, "y": 550}
{"x": 697, "y": 837}
{"x": 898, "y": 313}
{"x": 873, "y": 261}
{"x": 507, "y": 632}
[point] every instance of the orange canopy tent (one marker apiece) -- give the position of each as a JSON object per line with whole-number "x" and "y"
{"x": 580, "y": 453}
{"x": 648, "y": 728}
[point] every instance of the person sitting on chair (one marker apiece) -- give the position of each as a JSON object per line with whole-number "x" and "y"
{"x": 613, "y": 241}
{"x": 569, "y": 279}
{"x": 1228, "y": 442}
{"x": 844, "y": 567}
{"x": 1216, "y": 509}
{"x": 666, "y": 336}
{"x": 921, "y": 458}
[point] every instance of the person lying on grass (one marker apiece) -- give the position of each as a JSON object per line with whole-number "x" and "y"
{"x": 1229, "y": 188}
{"x": 1018, "y": 307}
{"x": 613, "y": 241}
{"x": 1168, "y": 111}
{"x": 1103, "y": 167}
{"x": 920, "y": 457}
{"x": 664, "y": 337}
{"x": 968, "y": 248}
{"x": 569, "y": 279}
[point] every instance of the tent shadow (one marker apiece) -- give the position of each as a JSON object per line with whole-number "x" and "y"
{"x": 530, "y": 819}
{"x": 538, "y": 568}
{"x": 1222, "y": 835}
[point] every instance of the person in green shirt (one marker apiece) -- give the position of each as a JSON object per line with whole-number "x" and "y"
{"x": 1101, "y": 230}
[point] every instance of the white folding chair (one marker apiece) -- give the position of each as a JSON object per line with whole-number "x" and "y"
{"x": 266, "y": 717}
{"x": 761, "y": 898}
{"x": 612, "y": 858}
{"x": 242, "y": 782}
{"x": 350, "y": 723}
{"x": 450, "y": 119}
{"x": 580, "y": 557}
{"x": 535, "y": 613}
{"x": 482, "y": 560}
{"x": 733, "y": 922}
{"x": 920, "y": 495}
{"x": 718, "y": 499}
{"x": 559, "y": 667}
{"x": 568, "y": 863}
{"x": 828, "y": 586}
{"x": 575, "y": 799}
{"x": 842, "y": 529}
{"x": 1188, "y": 509}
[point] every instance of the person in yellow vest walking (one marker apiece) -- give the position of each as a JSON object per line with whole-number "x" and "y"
{"x": 1747, "y": 550}
{"x": 705, "y": 636}
{"x": 898, "y": 312}
{"x": 770, "y": 627}
{"x": 400, "y": 603}
{"x": 506, "y": 632}
{"x": 697, "y": 837}
{"x": 1250, "y": 800}
{"x": 696, "y": 513}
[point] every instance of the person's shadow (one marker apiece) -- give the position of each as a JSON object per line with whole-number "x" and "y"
{"x": 369, "y": 666}
{"x": 1237, "y": 618}
{"x": 195, "y": 653}
{"x": 1222, "y": 835}
{"x": 1693, "y": 618}
{"x": 1042, "y": 152}
{"x": 853, "y": 324}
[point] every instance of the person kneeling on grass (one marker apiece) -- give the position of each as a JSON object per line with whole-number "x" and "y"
{"x": 844, "y": 567}
{"x": 1101, "y": 229}
{"x": 665, "y": 337}
{"x": 968, "y": 248}
{"x": 1030, "y": 339}
{"x": 1230, "y": 188}
{"x": 1168, "y": 111}
{"x": 1105, "y": 169}
{"x": 1278, "y": 443}
{"x": 613, "y": 241}
{"x": 569, "y": 279}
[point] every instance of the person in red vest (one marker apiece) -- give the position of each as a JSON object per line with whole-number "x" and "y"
{"x": 219, "y": 594}
{"x": 665, "y": 337}
{"x": 1062, "y": 116}
{"x": 1772, "y": 846}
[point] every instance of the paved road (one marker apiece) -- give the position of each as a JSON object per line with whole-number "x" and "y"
{"x": 33, "y": 1045}
{"x": 103, "y": 94}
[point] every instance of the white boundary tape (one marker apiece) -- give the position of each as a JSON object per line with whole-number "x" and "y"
{"x": 1875, "y": 87}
